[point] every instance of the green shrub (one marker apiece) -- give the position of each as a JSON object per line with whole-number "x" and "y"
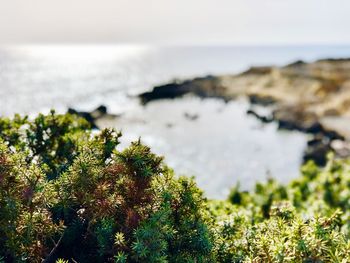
{"x": 286, "y": 236}
{"x": 306, "y": 221}
{"x": 68, "y": 194}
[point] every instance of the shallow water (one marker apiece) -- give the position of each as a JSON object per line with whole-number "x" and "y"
{"x": 221, "y": 147}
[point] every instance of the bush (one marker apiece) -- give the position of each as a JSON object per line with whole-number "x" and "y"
{"x": 67, "y": 194}
{"x": 306, "y": 221}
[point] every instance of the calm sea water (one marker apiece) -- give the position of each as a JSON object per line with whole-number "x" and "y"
{"x": 220, "y": 148}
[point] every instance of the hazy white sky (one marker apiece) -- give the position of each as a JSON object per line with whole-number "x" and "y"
{"x": 176, "y": 21}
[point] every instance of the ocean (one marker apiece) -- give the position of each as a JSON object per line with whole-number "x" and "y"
{"x": 222, "y": 147}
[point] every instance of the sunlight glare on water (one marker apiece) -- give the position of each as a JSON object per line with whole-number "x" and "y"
{"x": 83, "y": 53}
{"x": 221, "y": 147}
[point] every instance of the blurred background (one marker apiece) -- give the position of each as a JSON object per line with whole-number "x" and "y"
{"x": 85, "y": 53}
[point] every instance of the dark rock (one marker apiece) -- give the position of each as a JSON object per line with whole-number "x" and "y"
{"x": 264, "y": 119}
{"x": 84, "y": 114}
{"x": 296, "y": 118}
{"x": 315, "y": 127}
{"x": 317, "y": 139}
{"x": 92, "y": 116}
{"x": 204, "y": 87}
{"x": 101, "y": 109}
{"x": 168, "y": 91}
{"x": 332, "y": 135}
{"x": 317, "y": 150}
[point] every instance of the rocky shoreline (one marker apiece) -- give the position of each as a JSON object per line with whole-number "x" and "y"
{"x": 313, "y": 98}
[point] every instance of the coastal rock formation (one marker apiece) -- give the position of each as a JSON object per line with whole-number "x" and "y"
{"x": 309, "y": 97}
{"x": 202, "y": 87}
{"x": 321, "y": 87}
{"x": 96, "y": 118}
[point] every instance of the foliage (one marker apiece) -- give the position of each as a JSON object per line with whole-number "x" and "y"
{"x": 68, "y": 194}
{"x": 286, "y": 236}
{"x": 306, "y": 221}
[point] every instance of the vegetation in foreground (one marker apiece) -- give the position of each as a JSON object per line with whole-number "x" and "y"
{"x": 67, "y": 194}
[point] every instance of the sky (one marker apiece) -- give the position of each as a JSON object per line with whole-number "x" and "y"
{"x": 180, "y": 22}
